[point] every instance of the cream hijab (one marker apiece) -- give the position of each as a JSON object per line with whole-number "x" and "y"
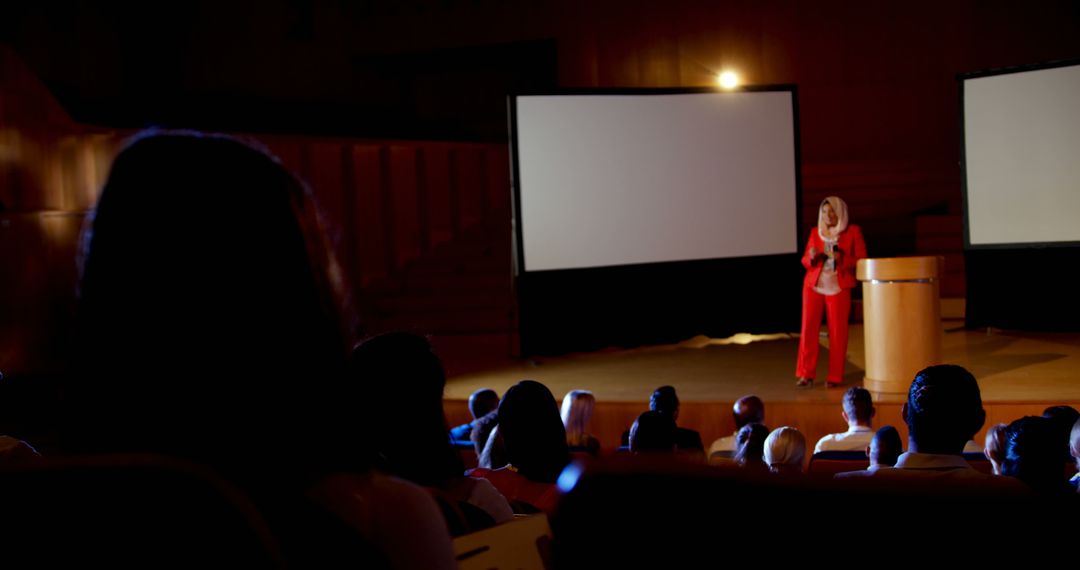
{"x": 838, "y": 206}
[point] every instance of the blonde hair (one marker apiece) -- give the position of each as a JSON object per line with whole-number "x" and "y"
{"x": 994, "y": 448}
{"x": 785, "y": 449}
{"x": 577, "y": 408}
{"x": 1074, "y": 441}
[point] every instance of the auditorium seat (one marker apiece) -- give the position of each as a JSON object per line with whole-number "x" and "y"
{"x": 636, "y": 512}
{"x": 521, "y": 543}
{"x": 979, "y": 462}
{"x": 827, "y": 463}
{"x": 130, "y": 511}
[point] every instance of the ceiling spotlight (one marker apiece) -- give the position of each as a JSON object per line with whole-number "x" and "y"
{"x": 728, "y": 80}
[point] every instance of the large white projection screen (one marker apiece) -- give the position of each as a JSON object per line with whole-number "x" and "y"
{"x": 1022, "y": 157}
{"x": 610, "y": 180}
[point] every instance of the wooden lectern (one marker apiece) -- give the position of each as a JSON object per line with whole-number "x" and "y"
{"x": 901, "y": 319}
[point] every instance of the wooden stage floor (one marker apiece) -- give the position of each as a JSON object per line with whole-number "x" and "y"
{"x": 1020, "y": 373}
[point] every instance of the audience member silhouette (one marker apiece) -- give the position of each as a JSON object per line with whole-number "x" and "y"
{"x": 577, "y": 408}
{"x": 687, "y": 441}
{"x": 785, "y": 450}
{"x": 536, "y": 449}
{"x": 481, "y": 403}
{"x": 858, "y": 413}
{"x": 943, "y": 412}
{"x": 746, "y": 410}
{"x": 211, "y": 328}
{"x": 411, "y": 441}
{"x": 653, "y": 432}
{"x": 1063, "y": 418}
{"x": 1033, "y": 455}
{"x": 884, "y": 448}
{"x": 750, "y": 447}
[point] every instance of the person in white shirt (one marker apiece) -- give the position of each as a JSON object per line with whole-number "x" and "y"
{"x": 747, "y": 410}
{"x": 943, "y": 411}
{"x": 858, "y": 413}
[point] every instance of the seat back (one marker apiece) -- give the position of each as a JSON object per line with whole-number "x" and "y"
{"x": 131, "y": 511}
{"x": 522, "y": 543}
{"x": 979, "y": 462}
{"x": 827, "y": 463}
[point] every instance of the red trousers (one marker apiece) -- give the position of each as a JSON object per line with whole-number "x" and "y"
{"x": 838, "y": 308}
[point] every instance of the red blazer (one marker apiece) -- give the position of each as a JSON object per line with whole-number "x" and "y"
{"x": 852, "y": 249}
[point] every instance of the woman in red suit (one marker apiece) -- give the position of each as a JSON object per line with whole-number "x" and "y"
{"x": 831, "y": 254}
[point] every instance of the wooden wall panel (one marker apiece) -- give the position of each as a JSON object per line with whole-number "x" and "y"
{"x": 437, "y": 211}
{"x": 404, "y": 205}
{"x": 371, "y": 228}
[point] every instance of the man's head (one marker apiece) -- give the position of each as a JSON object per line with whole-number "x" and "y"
{"x": 943, "y": 410}
{"x": 1033, "y": 454}
{"x": 1063, "y": 418}
{"x": 748, "y": 410}
{"x": 665, "y": 401}
{"x": 886, "y": 447}
{"x": 483, "y": 401}
{"x": 858, "y": 407}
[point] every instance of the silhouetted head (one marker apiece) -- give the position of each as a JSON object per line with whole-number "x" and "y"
{"x": 1033, "y": 455}
{"x": 886, "y": 447}
{"x": 943, "y": 410}
{"x": 785, "y": 449}
{"x": 665, "y": 401}
{"x": 750, "y": 443}
{"x": 653, "y": 432}
{"x": 858, "y": 406}
{"x": 1063, "y": 418}
{"x": 209, "y": 310}
{"x": 483, "y": 401}
{"x": 533, "y": 432}
{"x": 748, "y": 410}
{"x": 401, "y": 381}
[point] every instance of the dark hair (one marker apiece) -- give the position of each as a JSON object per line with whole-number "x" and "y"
{"x": 944, "y": 409}
{"x": 403, "y": 379}
{"x": 886, "y": 446}
{"x": 1032, "y": 455}
{"x": 208, "y": 325}
{"x": 1063, "y": 418}
{"x": 858, "y": 405}
{"x": 533, "y": 431}
{"x": 653, "y": 431}
{"x": 664, "y": 400}
{"x": 483, "y": 401}
{"x": 750, "y": 443}
{"x": 748, "y": 410}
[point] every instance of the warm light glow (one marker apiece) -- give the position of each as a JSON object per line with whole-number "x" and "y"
{"x": 701, "y": 341}
{"x": 728, "y": 80}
